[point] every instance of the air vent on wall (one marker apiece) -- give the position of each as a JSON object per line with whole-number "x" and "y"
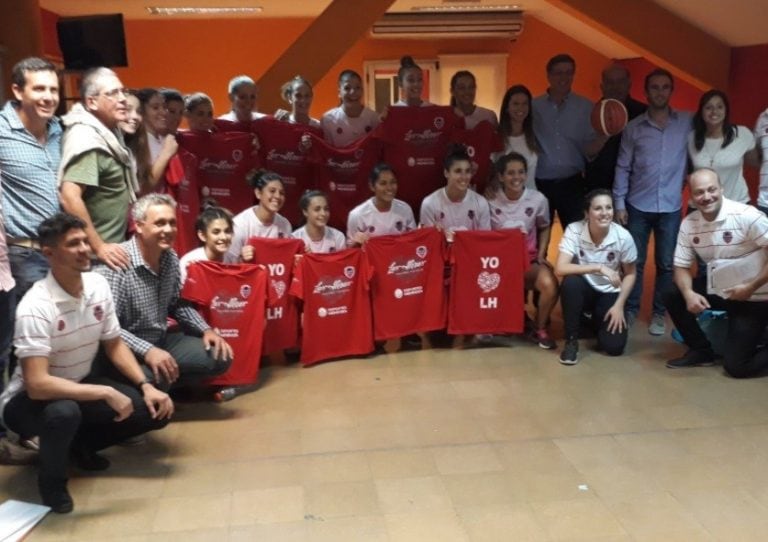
{"x": 496, "y": 24}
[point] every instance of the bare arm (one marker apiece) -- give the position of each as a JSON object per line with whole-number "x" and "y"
{"x": 543, "y": 236}
{"x": 167, "y": 152}
{"x": 112, "y": 254}
{"x": 684, "y": 282}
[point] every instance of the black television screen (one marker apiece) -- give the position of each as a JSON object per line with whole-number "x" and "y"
{"x": 91, "y": 41}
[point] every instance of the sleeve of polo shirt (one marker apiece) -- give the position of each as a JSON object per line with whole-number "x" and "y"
{"x": 628, "y": 249}
{"x": 623, "y": 168}
{"x": 84, "y": 169}
{"x": 758, "y": 230}
{"x": 569, "y": 244}
{"x": 111, "y": 323}
{"x": 33, "y": 331}
{"x": 542, "y": 214}
{"x": 684, "y": 253}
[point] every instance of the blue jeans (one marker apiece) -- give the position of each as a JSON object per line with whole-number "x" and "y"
{"x": 27, "y": 267}
{"x": 664, "y": 227}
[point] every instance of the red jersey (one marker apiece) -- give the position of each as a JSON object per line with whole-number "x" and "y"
{"x": 278, "y": 256}
{"x": 280, "y": 151}
{"x": 481, "y": 141}
{"x": 407, "y": 289}
{"x": 232, "y": 299}
{"x": 415, "y": 141}
{"x": 223, "y": 125}
{"x": 337, "y": 309}
{"x": 224, "y": 159}
{"x": 487, "y": 283}
{"x": 182, "y": 176}
{"x": 343, "y": 174}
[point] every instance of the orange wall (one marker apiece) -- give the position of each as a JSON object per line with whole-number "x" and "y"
{"x": 188, "y": 54}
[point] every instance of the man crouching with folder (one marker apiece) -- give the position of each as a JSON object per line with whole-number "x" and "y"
{"x": 730, "y": 238}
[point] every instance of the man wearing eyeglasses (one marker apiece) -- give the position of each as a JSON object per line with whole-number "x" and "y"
{"x": 98, "y": 183}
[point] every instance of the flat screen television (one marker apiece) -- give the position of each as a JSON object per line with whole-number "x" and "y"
{"x": 91, "y": 41}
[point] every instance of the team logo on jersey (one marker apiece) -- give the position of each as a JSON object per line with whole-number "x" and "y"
{"x": 421, "y": 251}
{"x": 245, "y": 290}
{"x": 280, "y": 235}
{"x": 398, "y": 293}
{"x": 471, "y": 214}
{"x": 279, "y": 287}
{"x": 358, "y": 154}
{"x": 497, "y": 210}
{"x": 411, "y": 161}
{"x": 98, "y": 313}
{"x": 332, "y": 186}
{"x": 439, "y": 122}
{"x": 399, "y": 225}
{"x": 529, "y": 211}
{"x": 339, "y": 130}
{"x": 371, "y": 229}
{"x": 695, "y": 240}
{"x": 237, "y": 155}
{"x": 470, "y": 151}
{"x": 349, "y": 271}
{"x": 581, "y": 253}
{"x": 332, "y": 249}
{"x": 205, "y": 191}
{"x": 727, "y": 237}
{"x": 611, "y": 256}
{"x": 442, "y": 215}
{"x": 61, "y": 325}
{"x": 322, "y": 312}
{"x": 368, "y": 129}
{"x": 488, "y": 282}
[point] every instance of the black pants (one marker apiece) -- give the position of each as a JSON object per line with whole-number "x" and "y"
{"x": 576, "y": 296}
{"x": 566, "y": 196}
{"x": 63, "y": 424}
{"x": 746, "y": 323}
{"x": 195, "y": 362}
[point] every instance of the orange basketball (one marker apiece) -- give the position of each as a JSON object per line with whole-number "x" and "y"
{"x": 609, "y": 117}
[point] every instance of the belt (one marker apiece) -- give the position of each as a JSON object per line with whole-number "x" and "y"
{"x": 23, "y": 242}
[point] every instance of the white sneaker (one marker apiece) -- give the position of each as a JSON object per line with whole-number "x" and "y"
{"x": 658, "y": 325}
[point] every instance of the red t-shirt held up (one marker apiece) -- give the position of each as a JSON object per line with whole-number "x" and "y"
{"x": 415, "y": 143}
{"x": 232, "y": 298}
{"x": 182, "y": 185}
{"x": 278, "y": 256}
{"x": 224, "y": 160}
{"x": 280, "y": 151}
{"x": 337, "y": 309}
{"x": 480, "y": 141}
{"x": 407, "y": 288}
{"x": 487, "y": 282}
{"x": 343, "y": 174}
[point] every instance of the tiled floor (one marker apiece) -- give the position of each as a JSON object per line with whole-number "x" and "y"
{"x": 491, "y": 444}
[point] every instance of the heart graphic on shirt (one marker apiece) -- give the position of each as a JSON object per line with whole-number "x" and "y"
{"x": 488, "y": 282}
{"x": 279, "y": 287}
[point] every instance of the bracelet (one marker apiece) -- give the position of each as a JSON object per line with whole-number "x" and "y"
{"x": 140, "y": 385}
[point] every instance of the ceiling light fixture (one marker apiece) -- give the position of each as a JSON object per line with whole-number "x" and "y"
{"x": 204, "y": 10}
{"x": 483, "y": 7}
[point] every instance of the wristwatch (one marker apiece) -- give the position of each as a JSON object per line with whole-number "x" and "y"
{"x": 140, "y": 385}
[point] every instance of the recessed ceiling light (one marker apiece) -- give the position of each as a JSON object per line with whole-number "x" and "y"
{"x": 204, "y": 10}
{"x": 466, "y": 7}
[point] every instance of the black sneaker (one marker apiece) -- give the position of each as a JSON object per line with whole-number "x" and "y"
{"x": 53, "y": 492}
{"x": 89, "y": 460}
{"x": 693, "y": 358}
{"x": 570, "y": 353}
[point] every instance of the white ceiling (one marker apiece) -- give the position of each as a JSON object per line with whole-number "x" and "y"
{"x": 735, "y": 22}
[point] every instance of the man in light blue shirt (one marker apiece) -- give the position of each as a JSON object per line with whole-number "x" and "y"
{"x": 561, "y": 122}
{"x": 647, "y": 191}
{"x": 30, "y": 151}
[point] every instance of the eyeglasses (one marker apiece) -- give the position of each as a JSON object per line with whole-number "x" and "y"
{"x": 115, "y": 93}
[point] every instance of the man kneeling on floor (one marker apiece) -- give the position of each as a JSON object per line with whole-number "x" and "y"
{"x": 147, "y": 293}
{"x": 731, "y": 236}
{"x": 60, "y": 324}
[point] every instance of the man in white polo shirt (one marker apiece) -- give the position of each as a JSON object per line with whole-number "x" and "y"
{"x": 60, "y": 324}
{"x": 720, "y": 232}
